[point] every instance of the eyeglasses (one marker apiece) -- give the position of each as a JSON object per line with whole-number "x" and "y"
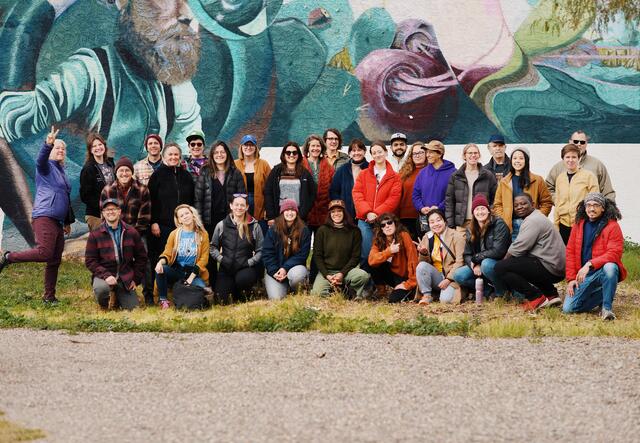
{"x": 386, "y": 223}
{"x": 475, "y": 154}
{"x": 196, "y": 144}
{"x": 111, "y": 209}
{"x": 418, "y": 154}
{"x": 579, "y": 142}
{"x": 291, "y": 153}
{"x": 239, "y": 195}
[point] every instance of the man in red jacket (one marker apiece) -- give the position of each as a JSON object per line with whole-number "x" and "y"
{"x": 116, "y": 257}
{"x": 594, "y": 257}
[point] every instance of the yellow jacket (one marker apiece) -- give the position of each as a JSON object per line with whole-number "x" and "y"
{"x": 569, "y": 194}
{"x": 503, "y": 203}
{"x": 202, "y": 254}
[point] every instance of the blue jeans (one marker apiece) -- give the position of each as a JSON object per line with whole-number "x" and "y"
{"x": 170, "y": 276}
{"x": 367, "y": 240}
{"x": 464, "y": 276}
{"x": 599, "y": 287}
{"x": 515, "y": 224}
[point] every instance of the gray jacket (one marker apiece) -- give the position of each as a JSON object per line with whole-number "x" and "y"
{"x": 539, "y": 238}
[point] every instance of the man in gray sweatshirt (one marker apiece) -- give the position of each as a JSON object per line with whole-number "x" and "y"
{"x": 536, "y": 259}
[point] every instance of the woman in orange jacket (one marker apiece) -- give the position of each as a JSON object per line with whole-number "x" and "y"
{"x": 376, "y": 191}
{"x": 393, "y": 258}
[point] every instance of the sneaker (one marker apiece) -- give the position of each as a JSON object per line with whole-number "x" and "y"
{"x": 164, "y": 304}
{"x": 208, "y": 294}
{"x": 553, "y": 300}
{"x": 425, "y": 299}
{"x": 50, "y": 301}
{"x": 3, "y": 260}
{"x": 534, "y": 305}
{"x": 608, "y": 314}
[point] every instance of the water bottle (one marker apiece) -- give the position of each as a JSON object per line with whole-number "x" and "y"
{"x": 479, "y": 290}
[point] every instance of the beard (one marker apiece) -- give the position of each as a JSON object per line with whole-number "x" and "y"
{"x": 170, "y": 55}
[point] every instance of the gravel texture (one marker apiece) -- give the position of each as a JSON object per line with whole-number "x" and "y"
{"x": 314, "y": 387}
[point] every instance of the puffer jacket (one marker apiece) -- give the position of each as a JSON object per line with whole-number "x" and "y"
{"x": 494, "y": 244}
{"x": 232, "y": 252}
{"x": 233, "y": 184}
{"x": 272, "y": 193}
{"x": 457, "y": 197}
{"x": 368, "y": 196}
{"x": 52, "y": 189}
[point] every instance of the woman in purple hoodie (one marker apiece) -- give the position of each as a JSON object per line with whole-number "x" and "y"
{"x": 52, "y": 214}
{"x": 430, "y": 187}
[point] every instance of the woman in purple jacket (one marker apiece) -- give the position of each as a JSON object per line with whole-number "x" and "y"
{"x": 52, "y": 214}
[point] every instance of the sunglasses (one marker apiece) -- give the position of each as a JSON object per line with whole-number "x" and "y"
{"x": 291, "y": 153}
{"x": 196, "y": 144}
{"x": 579, "y": 142}
{"x": 240, "y": 196}
{"x": 386, "y": 223}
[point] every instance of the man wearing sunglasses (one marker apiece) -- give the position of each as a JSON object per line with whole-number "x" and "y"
{"x": 588, "y": 162}
{"x": 196, "y": 160}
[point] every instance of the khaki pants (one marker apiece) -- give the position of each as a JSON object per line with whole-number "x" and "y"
{"x": 356, "y": 279}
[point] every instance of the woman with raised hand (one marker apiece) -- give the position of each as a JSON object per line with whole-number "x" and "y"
{"x": 519, "y": 180}
{"x": 254, "y": 171}
{"x": 487, "y": 241}
{"x": 97, "y": 172}
{"x": 289, "y": 180}
{"x": 285, "y": 251}
{"x": 415, "y": 161}
{"x": 336, "y": 253}
{"x": 377, "y": 190}
{"x": 333, "y": 139}
{"x": 314, "y": 151}
{"x": 393, "y": 258}
{"x": 469, "y": 180}
{"x": 52, "y": 214}
{"x": 441, "y": 254}
{"x": 219, "y": 180}
{"x": 185, "y": 256}
{"x": 572, "y": 186}
{"x": 236, "y": 245}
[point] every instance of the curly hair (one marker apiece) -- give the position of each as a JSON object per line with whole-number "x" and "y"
{"x": 379, "y": 238}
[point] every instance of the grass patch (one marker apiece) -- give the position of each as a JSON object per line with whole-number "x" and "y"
{"x": 10, "y": 432}
{"x": 21, "y": 307}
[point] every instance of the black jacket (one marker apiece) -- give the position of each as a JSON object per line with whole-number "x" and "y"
{"x": 458, "y": 193}
{"x": 272, "y": 193}
{"x": 169, "y": 187}
{"x": 232, "y": 252}
{"x": 233, "y": 184}
{"x": 91, "y": 183}
{"x": 495, "y": 243}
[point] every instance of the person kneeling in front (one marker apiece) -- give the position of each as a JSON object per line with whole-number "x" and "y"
{"x": 116, "y": 257}
{"x": 594, "y": 257}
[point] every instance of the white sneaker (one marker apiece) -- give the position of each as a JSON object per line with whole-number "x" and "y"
{"x": 607, "y": 314}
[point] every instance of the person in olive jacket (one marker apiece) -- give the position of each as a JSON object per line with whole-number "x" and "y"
{"x": 468, "y": 181}
{"x": 488, "y": 239}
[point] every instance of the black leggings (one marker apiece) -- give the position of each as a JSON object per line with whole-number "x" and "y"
{"x": 565, "y": 232}
{"x": 527, "y": 276}
{"x": 383, "y": 275}
{"x": 237, "y": 284}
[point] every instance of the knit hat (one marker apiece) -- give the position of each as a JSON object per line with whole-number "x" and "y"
{"x": 479, "y": 200}
{"x": 288, "y": 204}
{"x": 156, "y": 136}
{"x": 595, "y": 197}
{"x": 521, "y": 149}
{"x": 124, "y": 161}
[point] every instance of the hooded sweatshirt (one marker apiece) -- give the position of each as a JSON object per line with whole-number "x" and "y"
{"x": 430, "y": 187}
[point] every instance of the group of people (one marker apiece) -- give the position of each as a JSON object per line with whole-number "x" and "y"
{"x": 407, "y": 225}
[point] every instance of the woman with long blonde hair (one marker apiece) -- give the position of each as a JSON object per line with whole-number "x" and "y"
{"x": 186, "y": 254}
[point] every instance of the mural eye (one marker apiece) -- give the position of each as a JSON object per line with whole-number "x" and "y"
{"x": 242, "y": 17}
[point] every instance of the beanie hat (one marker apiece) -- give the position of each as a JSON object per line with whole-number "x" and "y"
{"x": 479, "y": 200}
{"x": 288, "y": 204}
{"x": 156, "y": 136}
{"x": 595, "y": 197}
{"x": 124, "y": 161}
{"x": 522, "y": 149}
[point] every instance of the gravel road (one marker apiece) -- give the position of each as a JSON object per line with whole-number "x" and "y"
{"x": 313, "y": 387}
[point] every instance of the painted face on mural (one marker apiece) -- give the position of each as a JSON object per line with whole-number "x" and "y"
{"x": 581, "y": 140}
{"x": 163, "y": 35}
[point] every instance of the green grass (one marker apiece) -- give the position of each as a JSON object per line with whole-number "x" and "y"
{"x": 11, "y": 432}
{"x": 21, "y": 307}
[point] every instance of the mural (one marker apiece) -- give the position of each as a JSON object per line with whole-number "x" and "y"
{"x": 457, "y": 70}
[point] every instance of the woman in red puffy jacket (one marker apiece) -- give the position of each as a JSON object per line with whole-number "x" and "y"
{"x": 376, "y": 191}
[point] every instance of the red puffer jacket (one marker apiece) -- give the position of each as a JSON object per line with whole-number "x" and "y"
{"x": 368, "y": 196}
{"x": 318, "y": 213}
{"x": 607, "y": 248}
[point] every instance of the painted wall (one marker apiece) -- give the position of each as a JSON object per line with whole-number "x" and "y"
{"x": 456, "y": 70}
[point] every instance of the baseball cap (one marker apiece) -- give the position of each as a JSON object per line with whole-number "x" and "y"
{"x": 195, "y": 134}
{"x": 496, "y": 138}
{"x": 248, "y": 139}
{"x": 110, "y": 201}
{"x": 398, "y": 136}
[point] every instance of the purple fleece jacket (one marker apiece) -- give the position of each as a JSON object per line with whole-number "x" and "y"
{"x": 431, "y": 185}
{"x": 52, "y": 187}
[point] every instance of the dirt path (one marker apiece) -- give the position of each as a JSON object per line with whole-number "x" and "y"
{"x": 312, "y": 387}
